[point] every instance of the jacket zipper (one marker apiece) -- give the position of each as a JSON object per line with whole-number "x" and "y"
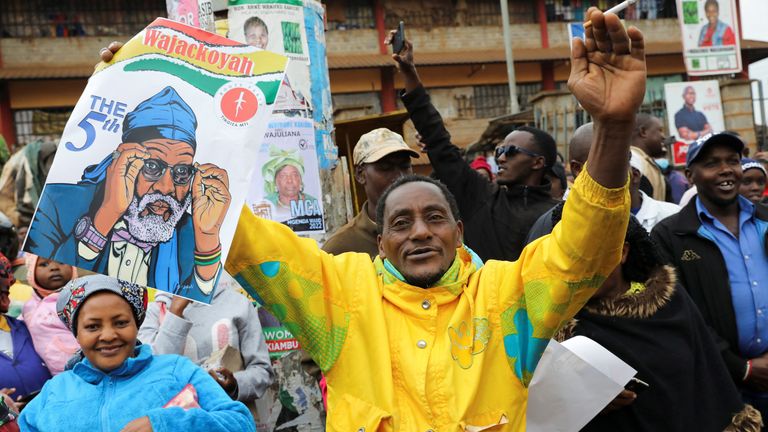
{"x": 104, "y": 409}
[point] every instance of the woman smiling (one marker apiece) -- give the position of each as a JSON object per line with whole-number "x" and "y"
{"x": 118, "y": 384}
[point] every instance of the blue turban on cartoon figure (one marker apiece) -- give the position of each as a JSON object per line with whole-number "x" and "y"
{"x": 147, "y": 213}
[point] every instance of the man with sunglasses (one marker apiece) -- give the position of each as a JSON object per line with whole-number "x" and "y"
{"x": 497, "y": 216}
{"x": 130, "y": 216}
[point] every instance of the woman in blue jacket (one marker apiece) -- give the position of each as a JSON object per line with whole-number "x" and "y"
{"x": 116, "y": 384}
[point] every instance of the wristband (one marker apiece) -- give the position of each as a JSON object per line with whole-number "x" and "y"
{"x": 748, "y": 371}
{"x": 208, "y": 258}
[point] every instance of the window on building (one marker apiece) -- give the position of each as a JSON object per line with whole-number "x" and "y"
{"x": 48, "y": 18}
{"x": 45, "y": 124}
{"x": 352, "y": 105}
{"x": 350, "y": 14}
{"x": 424, "y": 14}
{"x": 576, "y": 10}
{"x": 489, "y": 101}
{"x": 488, "y": 12}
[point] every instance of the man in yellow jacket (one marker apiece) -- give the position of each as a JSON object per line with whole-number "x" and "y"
{"x": 426, "y": 337}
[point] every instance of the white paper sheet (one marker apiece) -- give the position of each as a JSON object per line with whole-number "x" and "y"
{"x": 572, "y": 383}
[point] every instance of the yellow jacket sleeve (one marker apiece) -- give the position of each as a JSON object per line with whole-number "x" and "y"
{"x": 299, "y": 283}
{"x": 558, "y": 273}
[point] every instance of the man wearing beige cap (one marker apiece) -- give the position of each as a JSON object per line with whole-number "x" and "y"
{"x": 380, "y": 157}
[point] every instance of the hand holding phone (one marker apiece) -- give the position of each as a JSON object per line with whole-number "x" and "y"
{"x": 398, "y": 41}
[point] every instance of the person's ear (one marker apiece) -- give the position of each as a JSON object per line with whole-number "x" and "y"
{"x": 460, "y": 230}
{"x": 382, "y": 254}
{"x": 539, "y": 163}
{"x": 689, "y": 176}
{"x": 359, "y": 174}
{"x": 576, "y": 167}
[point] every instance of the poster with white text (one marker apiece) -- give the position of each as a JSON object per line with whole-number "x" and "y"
{"x": 694, "y": 109}
{"x": 156, "y": 160}
{"x": 710, "y": 31}
{"x": 286, "y": 187}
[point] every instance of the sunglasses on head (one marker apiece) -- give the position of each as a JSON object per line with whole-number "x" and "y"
{"x": 181, "y": 174}
{"x": 511, "y": 150}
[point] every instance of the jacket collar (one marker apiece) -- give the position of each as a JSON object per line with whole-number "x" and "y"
{"x": 18, "y": 336}
{"x": 688, "y": 221}
{"x": 131, "y": 366}
{"x": 405, "y": 295}
{"x": 541, "y": 190}
{"x": 658, "y": 290}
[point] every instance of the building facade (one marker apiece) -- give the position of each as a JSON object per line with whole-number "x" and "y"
{"x": 48, "y": 49}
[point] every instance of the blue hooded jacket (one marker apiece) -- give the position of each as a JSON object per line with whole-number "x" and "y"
{"x": 85, "y": 398}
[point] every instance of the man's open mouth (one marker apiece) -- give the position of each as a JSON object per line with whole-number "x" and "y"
{"x": 726, "y": 186}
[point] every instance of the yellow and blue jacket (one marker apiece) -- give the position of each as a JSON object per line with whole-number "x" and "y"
{"x": 454, "y": 357}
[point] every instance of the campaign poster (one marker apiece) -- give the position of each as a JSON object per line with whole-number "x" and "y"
{"x": 156, "y": 159}
{"x": 195, "y": 13}
{"x": 286, "y": 187}
{"x": 289, "y": 189}
{"x": 710, "y": 30}
{"x": 694, "y": 109}
{"x": 277, "y": 26}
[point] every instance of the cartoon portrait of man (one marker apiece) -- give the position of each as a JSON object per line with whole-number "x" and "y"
{"x": 283, "y": 182}
{"x": 147, "y": 213}
{"x": 690, "y": 123}
{"x": 256, "y": 32}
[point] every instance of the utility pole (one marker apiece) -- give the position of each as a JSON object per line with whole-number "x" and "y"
{"x": 514, "y": 108}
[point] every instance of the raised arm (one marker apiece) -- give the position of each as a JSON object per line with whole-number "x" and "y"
{"x": 304, "y": 287}
{"x": 608, "y": 75}
{"x": 560, "y": 272}
{"x": 469, "y": 187}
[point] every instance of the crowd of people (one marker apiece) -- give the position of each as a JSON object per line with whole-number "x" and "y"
{"x": 431, "y": 308}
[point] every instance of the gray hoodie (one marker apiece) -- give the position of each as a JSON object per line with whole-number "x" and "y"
{"x": 230, "y": 319}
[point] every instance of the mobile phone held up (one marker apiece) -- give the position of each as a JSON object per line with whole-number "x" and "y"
{"x": 398, "y": 41}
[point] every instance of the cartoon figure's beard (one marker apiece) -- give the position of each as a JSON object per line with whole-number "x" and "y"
{"x": 154, "y": 228}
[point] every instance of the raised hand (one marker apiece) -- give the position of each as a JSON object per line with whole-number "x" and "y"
{"x": 210, "y": 202}
{"x": 608, "y": 69}
{"x": 120, "y": 184}
{"x": 178, "y": 304}
{"x": 109, "y": 51}
{"x": 405, "y": 63}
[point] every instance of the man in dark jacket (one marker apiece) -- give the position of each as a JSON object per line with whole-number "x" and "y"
{"x": 718, "y": 245}
{"x": 578, "y": 150}
{"x": 497, "y": 216}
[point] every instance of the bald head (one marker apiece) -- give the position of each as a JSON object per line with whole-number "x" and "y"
{"x": 581, "y": 142}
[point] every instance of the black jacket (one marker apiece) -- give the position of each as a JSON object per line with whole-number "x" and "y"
{"x": 496, "y": 219}
{"x": 660, "y": 333}
{"x": 702, "y": 271}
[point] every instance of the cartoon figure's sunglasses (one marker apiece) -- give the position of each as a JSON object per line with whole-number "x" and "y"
{"x": 181, "y": 174}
